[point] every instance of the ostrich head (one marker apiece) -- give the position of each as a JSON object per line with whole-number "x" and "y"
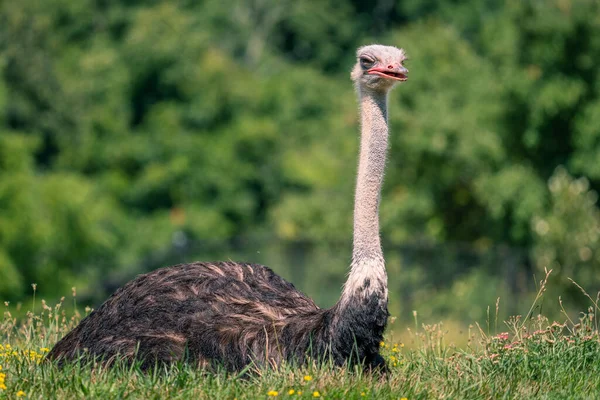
{"x": 379, "y": 67}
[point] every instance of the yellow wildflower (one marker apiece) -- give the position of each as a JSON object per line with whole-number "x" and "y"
{"x": 381, "y": 344}
{"x": 272, "y": 393}
{"x": 316, "y": 394}
{"x": 404, "y": 398}
{"x": 299, "y": 392}
{"x": 20, "y": 393}
{"x": 307, "y": 378}
{"x": 291, "y": 392}
{"x": 44, "y": 349}
{"x": 363, "y": 394}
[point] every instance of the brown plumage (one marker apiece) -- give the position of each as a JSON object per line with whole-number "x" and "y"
{"x": 229, "y": 315}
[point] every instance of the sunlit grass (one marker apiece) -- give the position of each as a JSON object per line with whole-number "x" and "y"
{"x": 531, "y": 357}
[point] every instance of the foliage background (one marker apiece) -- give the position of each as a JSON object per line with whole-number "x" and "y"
{"x": 136, "y": 134}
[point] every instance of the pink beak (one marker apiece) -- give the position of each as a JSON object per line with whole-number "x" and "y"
{"x": 398, "y": 73}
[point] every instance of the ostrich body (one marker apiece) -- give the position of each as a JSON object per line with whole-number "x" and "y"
{"x": 232, "y": 314}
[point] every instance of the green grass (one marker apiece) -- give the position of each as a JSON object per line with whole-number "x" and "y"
{"x": 536, "y": 358}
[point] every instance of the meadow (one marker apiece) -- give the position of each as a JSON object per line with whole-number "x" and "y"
{"x": 523, "y": 357}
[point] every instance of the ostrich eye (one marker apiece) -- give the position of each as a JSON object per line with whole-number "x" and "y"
{"x": 366, "y": 62}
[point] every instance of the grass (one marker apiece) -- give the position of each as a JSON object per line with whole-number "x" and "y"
{"x": 535, "y": 358}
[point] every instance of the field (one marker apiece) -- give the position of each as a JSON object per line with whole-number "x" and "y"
{"x": 535, "y": 358}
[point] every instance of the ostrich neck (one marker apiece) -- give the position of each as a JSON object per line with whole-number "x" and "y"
{"x": 367, "y": 274}
{"x": 371, "y": 165}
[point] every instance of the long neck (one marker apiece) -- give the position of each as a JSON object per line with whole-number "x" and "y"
{"x": 367, "y": 275}
{"x": 371, "y": 165}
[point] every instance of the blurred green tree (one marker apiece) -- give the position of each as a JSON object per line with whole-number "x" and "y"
{"x": 137, "y": 133}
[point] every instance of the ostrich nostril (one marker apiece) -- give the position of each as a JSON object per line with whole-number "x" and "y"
{"x": 390, "y": 67}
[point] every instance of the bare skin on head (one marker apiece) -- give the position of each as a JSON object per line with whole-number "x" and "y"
{"x": 230, "y": 315}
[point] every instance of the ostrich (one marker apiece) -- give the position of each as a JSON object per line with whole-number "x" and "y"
{"x": 228, "y": 314}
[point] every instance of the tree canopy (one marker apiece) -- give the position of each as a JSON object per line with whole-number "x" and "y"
{"x": 134, "y": 134}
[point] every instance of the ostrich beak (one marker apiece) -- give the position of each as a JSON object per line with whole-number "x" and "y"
{"x": 398, "y": 73}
